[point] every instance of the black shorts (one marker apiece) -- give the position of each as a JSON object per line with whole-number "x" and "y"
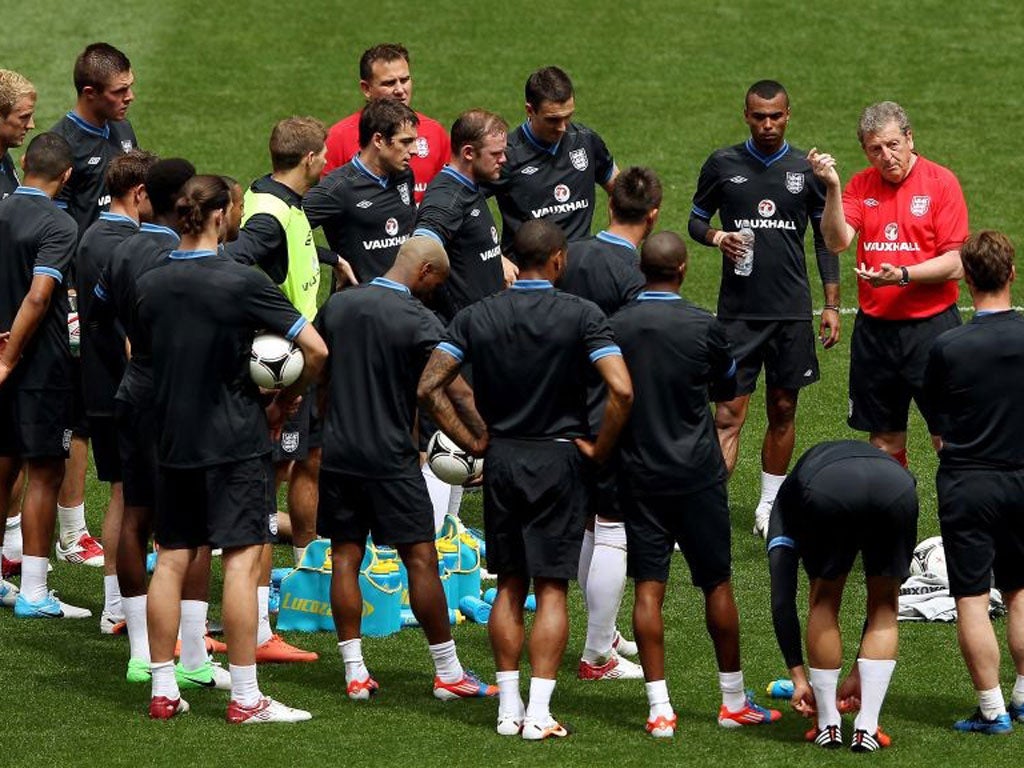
{"x": 982, "y": 522}
{"x": 830, "y": 525}
{"x": 300, "y": 433}
{"x": 105, "y": 452}
{"x": 604, "y": 497}
{"x": 226, "y": 505}
{"x": 79, "y": 420}
{"x": 698, "y": 522}
{"x": 394, "y": 510}
{"x": 887, "y": 363}
{"x": 34, "y": 423}
{"x": 136, "y": 444}
{"x": 785, "y": 348}
{"x": 535, "y": 507}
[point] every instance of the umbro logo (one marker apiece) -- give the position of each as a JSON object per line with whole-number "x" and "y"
{"x": 364, "y": 204}
{"x": 475, "y": 212}
{"x": 808, "y": 373}
{"x": 529, "y": 170}
{"x": 738, "y": 179}
{"x": 95, "y": 160}
{"x": 871, "y": 202}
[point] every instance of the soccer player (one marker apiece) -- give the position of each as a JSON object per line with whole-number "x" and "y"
{"x": 17, "y": 109}
{"x": 384, "y": 74}
{"x": 553, "y": 163}
{"x": 605, "y": 270}
{"x": 842, "y": 498}
{"x": 215, "y": 476}
{"x": 366, "y": 206}
{"x": 910, "y": 219}
{"x": 972, "y": 380}
{"x": 37, "y": 242}
{"x": 380, "y": 337}
{"x": 767, "y": 186}
{"x": 530, "y": 347}
{"x": 103, "y": 352}
{"x": 673, "y": 481}
{"x": 98, "y": 131}
{"x": 277, "y": 237}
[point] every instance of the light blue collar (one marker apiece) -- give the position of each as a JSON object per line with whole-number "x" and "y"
{"x": 383, "y": 282}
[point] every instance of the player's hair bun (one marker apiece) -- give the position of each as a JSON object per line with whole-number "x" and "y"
{"x": 199, "y": 198}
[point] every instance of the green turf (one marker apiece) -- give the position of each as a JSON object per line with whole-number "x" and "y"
{"x": 663, "y": 82}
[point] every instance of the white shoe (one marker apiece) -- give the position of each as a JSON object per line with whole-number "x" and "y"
{"x": 112, "y": 624}
{"x": 534, "y": 730}
{"x": 624, "y": 647}
{"x": 510, "y": 724}
{"x": 266, "y": 710}
{"x": 8, "y": 594}
{"x": 84, "y": 550}
{"x": 616, "y": 668}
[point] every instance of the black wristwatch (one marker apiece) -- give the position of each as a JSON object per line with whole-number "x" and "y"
{"x": 905, "y": 278}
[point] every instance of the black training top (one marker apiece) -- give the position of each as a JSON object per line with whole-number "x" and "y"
{"x": 37, "y": 238}
{"x": 9, "y": 180}
{"x": 775, "y": 196}
{"x": 556, "y": 181}
{"x": 92, "y": 149}
{"x": 364, "y": 217}
{"x": 604, "y": 268}
{"x": 117, "y": 288}
{"x": 380, "y": 338}
{"x": 454, "y": 212}
{"x": 531, "y": 347}
{"x": 973, "y": 383}
{"x": 199, "y": 311}
{"x": 673, "y": 350}
{"x": 103, "y": 350}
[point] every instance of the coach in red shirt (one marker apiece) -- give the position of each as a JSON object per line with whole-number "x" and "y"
{"x": 384, "y": 74}
{"x": 911, "y": 219}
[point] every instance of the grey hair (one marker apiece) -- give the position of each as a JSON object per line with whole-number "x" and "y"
{"x": 874, "y": 118}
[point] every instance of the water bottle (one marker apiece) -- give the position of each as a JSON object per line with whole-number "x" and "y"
{"x": 745, "y": 264}
{"x": 780, "y": 689}
{"x": 74, "y": 329}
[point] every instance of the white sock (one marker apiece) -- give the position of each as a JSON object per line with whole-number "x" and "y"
{"x": 263, "y": 631}
{"x": 71, "y": 523}
{"x": 605, "y": 586}
{"x": 510, "y": 701}
{"x": 446, "y": 662}
{"x": 734, "y": 696}
{"x": 657, "y": 698}
{"x": 824, "y": 683}
{"x": 164, "y": 682}
{"x": 135, "y": 618}
{"x": 1017, "y": 696}
{"x": 990, "y": 703}
{"x": 455, "y": 500}
{"x": 244, "y": 688}
{"x": 12, "y": 539}
{"x": 112, "y": 596}
{"x": 298, "y": 552}
{"x": 586, "y": 556}
{"x": 33, "y": 577}
{"x": 875, "y": 675}
{"x": 769, "y": 490}
{"x": 352, "y": 655}
{"x": 440, "y": 495}
{"x": 193, "y": 634}
{"x": 539, "y": 708}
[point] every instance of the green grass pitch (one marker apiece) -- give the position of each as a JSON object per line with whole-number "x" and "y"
{"x": 663, "y": 82}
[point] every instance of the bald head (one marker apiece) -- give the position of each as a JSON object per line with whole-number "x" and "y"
{"x": 663, "y": 258}
{"x": 421, "y": 265}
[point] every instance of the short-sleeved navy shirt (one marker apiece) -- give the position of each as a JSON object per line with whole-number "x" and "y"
{"x": 380, "y": 338}
{"x": 604, "y": 268}
{"x": 556, "y": 181}
{"x": 775, "y": 196}
{"x": 37, "y": 238}
{"x": 92, "y": 149}
{"x": 454, "y": 212}
{"x": 103, "y": 350}
{"x": 9, "y": 180}
{"x": 199, "y": 311}
{"x": 365, "y": 217}
{"x": 531, "y": 347}
{"x": 673, "y": 350}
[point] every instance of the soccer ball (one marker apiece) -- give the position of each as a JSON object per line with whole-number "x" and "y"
{"x": 450, "y": 463}
{"x": 929, "y": 557}
{"x": 274, "y": 362}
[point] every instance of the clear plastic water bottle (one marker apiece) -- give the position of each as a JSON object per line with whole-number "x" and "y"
{"x": 74, "y": 329}
{"x": 745, "y": 264}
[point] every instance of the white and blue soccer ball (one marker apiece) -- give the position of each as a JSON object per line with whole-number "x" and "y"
{"x": 449, "y": 463}
{"x": 275, "y": 362}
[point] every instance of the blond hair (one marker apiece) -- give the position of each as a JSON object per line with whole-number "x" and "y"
{"x": 13, "y": 88}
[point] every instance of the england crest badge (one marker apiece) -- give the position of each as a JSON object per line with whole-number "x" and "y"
{"x": 289, "y": 442}
{"x": 578, "y": 158}
{"x": 919, "y": 205}
{"x": 794, "y": 182}
{"x": 422, "y": 147}
{"x": 403, "y": 192}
